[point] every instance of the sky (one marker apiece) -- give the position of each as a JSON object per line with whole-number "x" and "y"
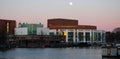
{"x": 105, "y": 14}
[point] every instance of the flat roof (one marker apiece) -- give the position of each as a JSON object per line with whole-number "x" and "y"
{"x": 62, "y": 19}
{"x": 6, "y": 20}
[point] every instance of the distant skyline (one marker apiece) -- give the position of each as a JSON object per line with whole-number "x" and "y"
{"x": 105, "y": 14}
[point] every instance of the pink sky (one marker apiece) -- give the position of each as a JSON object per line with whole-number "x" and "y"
{"x": 105, "y": 14}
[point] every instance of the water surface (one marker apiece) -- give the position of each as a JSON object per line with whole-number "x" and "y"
{"x": 52, "y": 53}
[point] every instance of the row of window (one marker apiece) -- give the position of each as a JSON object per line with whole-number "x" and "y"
{"x": 94, "y": 36}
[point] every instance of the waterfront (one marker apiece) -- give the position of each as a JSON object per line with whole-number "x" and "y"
{"x": 53, "y": 53}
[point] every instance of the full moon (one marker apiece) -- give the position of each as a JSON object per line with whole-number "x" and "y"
{"x": 70, "y": 3}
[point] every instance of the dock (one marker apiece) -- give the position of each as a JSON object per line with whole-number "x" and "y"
{"x": 110, "y": 51}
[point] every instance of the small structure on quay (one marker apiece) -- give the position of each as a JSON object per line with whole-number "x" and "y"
{"x": 111, "y": 51}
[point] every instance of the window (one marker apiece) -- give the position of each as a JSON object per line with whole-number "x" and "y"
{"x": 80, "y": 35}
{"x": 99, "y": 37}
{"x": 70, "y": 36}
{"x": 95, "y": 36}
{"x": 51, "y": 33}
{"x": 87, "y": 36}
{"x": 7, "y": 27}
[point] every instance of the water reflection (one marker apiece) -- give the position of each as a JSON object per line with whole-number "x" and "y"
{"x": 52, "y": 53}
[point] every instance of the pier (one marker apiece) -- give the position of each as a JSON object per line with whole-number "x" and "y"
{"x": 111, "y": 52}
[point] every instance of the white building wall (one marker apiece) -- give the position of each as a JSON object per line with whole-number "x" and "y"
{"x": 74, "y": 36}
{"x": 77, "y": 36}
{"x": 42, "y": 31}
{"x": 66, "y": 35}
{"x": 21, "y": 31}
{"x": 90, "y": 36}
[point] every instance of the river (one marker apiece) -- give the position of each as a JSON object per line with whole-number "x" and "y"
{"x": 53, "y": 53}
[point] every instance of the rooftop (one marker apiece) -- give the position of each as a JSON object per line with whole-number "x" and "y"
{"x": 62, "y": 19}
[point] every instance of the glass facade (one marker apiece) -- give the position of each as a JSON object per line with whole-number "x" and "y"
{"x": 87, "y": 36}
{"x": 99, "y": 37}
{"x": 95, "y": 36}
{"x": 70, "y": 36}
{"x": 80, "y": 36}
{"x": 32, "y": 28}
{"x": 51, "y": 33}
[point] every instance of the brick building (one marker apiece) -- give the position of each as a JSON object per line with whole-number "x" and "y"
{"x": 61, "y": 22}
{"x": 67, "y": 24}
{"x": 7, "y": 26}
{"x": 6, "y": 29}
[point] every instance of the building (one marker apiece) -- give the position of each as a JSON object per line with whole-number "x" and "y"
{"x": 34, "y": 35}
{"x": 42, "y": 31}
{"x": 30, "y": 29}
{"x": 7, "y": 26}
{"x": 6, "y": 31}
{"x": 75, "y": 33}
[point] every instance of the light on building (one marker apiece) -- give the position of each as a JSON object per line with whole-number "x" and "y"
{"x": 64, "y": 33}
{"x": 7, "y": 27}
